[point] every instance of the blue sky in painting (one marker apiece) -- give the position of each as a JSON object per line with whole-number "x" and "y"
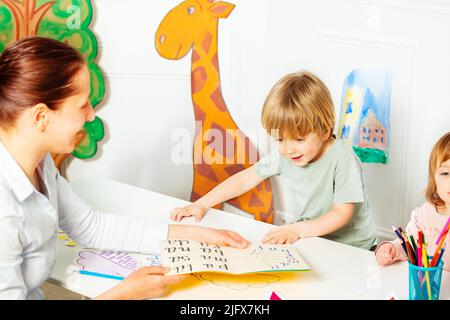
{"x": 377, "y": 85}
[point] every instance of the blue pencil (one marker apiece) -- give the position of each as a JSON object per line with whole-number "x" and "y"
{"x": 101, "y": 275}
{"x": 440, "y": 257}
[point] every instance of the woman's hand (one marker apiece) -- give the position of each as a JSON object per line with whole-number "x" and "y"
{"x": 196, "y": 209}
{"x": 282, "y": 235}
{"x": 217, "y": 237}
{"x": 385, "y": 254}
{"x": 144, "y": 283}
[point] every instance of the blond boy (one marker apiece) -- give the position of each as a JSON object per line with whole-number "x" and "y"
{"x": 324, "y": 174}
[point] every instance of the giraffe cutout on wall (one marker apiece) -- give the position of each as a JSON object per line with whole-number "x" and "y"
{"x": 193, "y": 24}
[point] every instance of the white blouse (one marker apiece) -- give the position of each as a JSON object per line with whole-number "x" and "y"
{"x": 29, "y": 223}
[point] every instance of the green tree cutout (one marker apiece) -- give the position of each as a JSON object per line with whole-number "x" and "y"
{"x": 66, "y": 21}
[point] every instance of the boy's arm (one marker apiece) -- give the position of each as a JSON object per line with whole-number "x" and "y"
{"x": 232, "y": 187}
{"x": 338, "y": 217}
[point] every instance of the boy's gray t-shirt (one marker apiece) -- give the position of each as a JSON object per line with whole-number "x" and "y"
{"x": 335, "y": 178}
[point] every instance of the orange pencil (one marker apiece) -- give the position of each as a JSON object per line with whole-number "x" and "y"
{"x": 438, "y": 250}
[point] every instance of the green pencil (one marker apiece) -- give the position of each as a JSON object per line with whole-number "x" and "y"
{"x": 413, "y": 243}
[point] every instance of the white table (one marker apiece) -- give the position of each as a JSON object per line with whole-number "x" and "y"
{"x": 337, "y": 271}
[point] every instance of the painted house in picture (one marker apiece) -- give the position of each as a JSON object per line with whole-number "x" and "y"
{"x": 365, "y": 111}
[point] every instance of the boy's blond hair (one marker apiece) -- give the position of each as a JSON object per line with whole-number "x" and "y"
{"x": 298, "y": 104}
{"x": 439, "y": 154}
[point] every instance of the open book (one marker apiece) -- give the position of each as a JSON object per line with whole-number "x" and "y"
{"x": 187, "y": 256}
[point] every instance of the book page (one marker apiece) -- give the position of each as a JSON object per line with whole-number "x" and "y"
{"x": 114, "y": 263}
{"x": 188, "y": 256}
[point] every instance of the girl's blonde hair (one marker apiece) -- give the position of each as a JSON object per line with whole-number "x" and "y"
{"x": 297, "y": 105}
{"x": 439, "y": 154}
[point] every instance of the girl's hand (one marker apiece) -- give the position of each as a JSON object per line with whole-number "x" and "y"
{"x": 144, "y": 283}
{"x": 282, "y": 235}
{"x": 196, "y": 209}
{"x": 385, "y": 254}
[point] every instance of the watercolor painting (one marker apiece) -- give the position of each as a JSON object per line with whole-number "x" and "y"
{"x": 365, "y": 112}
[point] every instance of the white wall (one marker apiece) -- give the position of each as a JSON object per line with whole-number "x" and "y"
{"x": 149, "y": 97}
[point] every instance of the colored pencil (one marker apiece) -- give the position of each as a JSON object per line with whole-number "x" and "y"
{"x": 419, "y": 249}
{"x": 438, "y": 251}
{"x": 410, "y": 253}
{"x": 408, "y": 242}
{"x": 413, "y": 243}
{"x": 399, "y": 235}
{"x": 427, "y": 275}
{"x": 444, "y": 230}
{"x": 409, "y": 250}
{"x": 440, "y": 257}
{"x": 100, "y": 275}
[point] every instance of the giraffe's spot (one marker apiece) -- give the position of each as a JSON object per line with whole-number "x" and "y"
{"x": 217, "y": 99}
{"x": 215, "y": 62}
{"x": 195, "y": 56}
{"x": 207, "y": 42}
{"x": 268, "y": 185}
{"x": 200, "y": 115}
{"x": 259, "y": 187}
{"x": 206, "y": 171}
{"x": 268, "y": 215}
{"x": 198, "y": 131}
{"x": 195, "y": 196}
{"x": 255, "y": 201}
{"x": 250, "y": 150}
{"x": 198, "y": 79}
{"x": 221, "y": 141}
{"x": 235, "y": 202}
{"x": 233, "y": 169}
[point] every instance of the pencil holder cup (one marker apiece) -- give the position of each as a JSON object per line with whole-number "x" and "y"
{"x": 425, "y": 283}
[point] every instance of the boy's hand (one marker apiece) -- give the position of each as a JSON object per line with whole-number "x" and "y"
{"x": 282, "y": 235}
{"x": 385, "y": 254}
{"x": 196, "y": 209}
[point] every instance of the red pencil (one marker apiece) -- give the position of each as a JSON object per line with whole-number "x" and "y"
{"x": 419, "y": 249}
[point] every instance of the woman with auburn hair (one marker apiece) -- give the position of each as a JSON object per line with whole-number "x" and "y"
{"x": 432, "y": 216}
{"x": 44, "y": 103}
